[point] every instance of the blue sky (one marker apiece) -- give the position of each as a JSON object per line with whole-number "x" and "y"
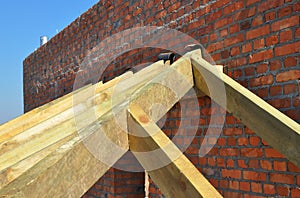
{"x": 22, "y": 24}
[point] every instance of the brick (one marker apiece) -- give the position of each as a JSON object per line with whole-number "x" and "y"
{"x": 282, "y": 178}
{"x": 258, "y": 20}
{"x": 286, "y": 36}
{"x": 202, "y": 161}
{"x": 282, "y": 190}
{"x": 265, "y": 164}
{"x": 255, "y": 176}
{"x": 232, "y": 194}
{"x": 290, "y": 62}
{"x": 269, "y": 189}
{"x": 254, "y": 141}
{"x": 225, "y": 54}
{"x": 229, "y": 9}
{"x": 250, "y": 2}
{"x": 231, "y": 141}
{"x": 223, "y": 22}
{"x": 247, "y": 47}
{"x": 258, "y": 32}
{"x": 293, "y": 168}
{"x": 280, "y": 102}
{"x": 231, "y": 173}
{"x": 235, "y": 51}
{"x": 242, "y": 164}
{"x": 295, "y": 192}
{"x": 249, "y": 71}
{"x": 224, "y": 183}
{"x": 249, "y": 131}
{"x": 296, "y": 101}
{"x": 256, "y": 187}
{"x": 270, "y": 16}
{"x": 284, "y": 11}
{"x": 275, "y": 65}
{"x": 276, "y": 90}
{"x": 245, "y": 25}
{"x": 267, "y": 5}
{"x": 297, "y": 33}
{"x": 289, "y": 88}
{"x": 296, "y": 6}
{"x": 285, "y": 23}
{"x": 244, "y": 186}
{"x": 251, "y": 152}
{"x": 213, "y": 37}
{"x": 233, "y": 29}
{"x": 220, "y": 162}
{"x": 233, "y": 40}
{"x": 229, "y": 152}
{"x": 262, "y": 92}
{"x": 293, "y": 114}
{"x": 221, "y": 141}
{"x": 259, "y": 44}
{"x": 230, "y": 163}
{"x": 261, "y": 56}
{"x": 211, "y": 161}
{"x": 242, "y": 141}
{"x": 232, "y": 131}
{"x": 272, "y": 40}
{"x": 234, "y": 185}
{"x": 279, "y": 166}
{"x": 174, "y": 7}
{"x": 263, "y": 80}
{"x": 262, "y": 68}
{"x": 288, "y": 75}
{"x": 287, "y": 49}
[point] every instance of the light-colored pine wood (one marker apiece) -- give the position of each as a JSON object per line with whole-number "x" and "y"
{"x": 68, "y": 171}
{"x": 166, "y": 89}
{"x": 30, "y": 119}
{"x": 28, "y": 154}
{"x": 281, "y": 132}
{"x": 178, "y": 177}
{"x": 89, "y": 106}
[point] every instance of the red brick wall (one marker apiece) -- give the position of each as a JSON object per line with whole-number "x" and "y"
{"x": 258, "y": 42}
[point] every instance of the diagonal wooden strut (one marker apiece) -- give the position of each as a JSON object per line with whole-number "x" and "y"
{"x": 281, "y": 132}
{"x": 174, "y": 174}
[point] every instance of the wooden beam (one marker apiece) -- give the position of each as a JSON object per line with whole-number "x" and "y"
{"x": 281, "y": 132}
{"x": 68, "y": 171}
{"x": 34, "y": 158}
{"x": 166, "y": 89}
{"x": 174, "y": 174}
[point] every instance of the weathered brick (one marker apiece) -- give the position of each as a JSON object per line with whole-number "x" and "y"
{"x": 253, "y": 175}
{"x": 285, "y": 23}
{"x": 264, "y": 80}
{"x": 288, "y": 75}
{"x": 256, "y": 187}
{"x": 287, "y": 49}
{"x": 269, "y": 189}
{"x": 244, "y": 186}
{"x": 258, "y": 32}
{"x": 251, "y": 152}
{"x": 280, "y": 166}
{"x": 286, "y": 36}
{"x": 272, "y": 153}
{"x": 231, "y": 173}
{"x": 282, "y": 190}
{"x": 260, "y": 56}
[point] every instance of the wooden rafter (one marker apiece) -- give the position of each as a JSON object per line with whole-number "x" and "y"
{"x": 277, "y": 129}
{"x": 168, "y": 167}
